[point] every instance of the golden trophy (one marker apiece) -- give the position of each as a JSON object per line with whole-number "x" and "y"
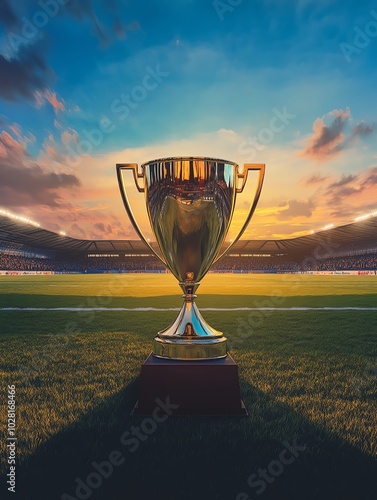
{"x": 190, "y": 203}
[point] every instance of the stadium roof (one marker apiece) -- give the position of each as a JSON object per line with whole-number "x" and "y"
{"x": 18, "y": 232}
{"x": 344, "y": 238}
{"x": 354, "y": 236}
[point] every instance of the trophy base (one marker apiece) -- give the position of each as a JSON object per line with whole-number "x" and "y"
{"x": 190, "y": 350}
{"x": 207, "y": 387}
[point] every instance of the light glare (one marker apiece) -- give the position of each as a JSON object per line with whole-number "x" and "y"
{"x": 366, "y": 216}
{"x": 18, "y": 218}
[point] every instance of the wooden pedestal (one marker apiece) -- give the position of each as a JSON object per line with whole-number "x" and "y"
{"x": 208, "y": 387}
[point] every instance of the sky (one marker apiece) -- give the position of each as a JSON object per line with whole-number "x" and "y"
{"x": 88, "y": 84}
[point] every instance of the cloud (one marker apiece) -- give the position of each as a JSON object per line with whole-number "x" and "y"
{"x": 350, "y": 185}
{"x": 327, "y": 140}
{"x": 97, "y": 210}
{"x": 341, "y": 189}
{"x": 7, "y": 16}
{"x": 343, "y": 212}
{"x": 106, "y": 230}
{"x": 371, "y": 179}
{"x": 99, "y": 30}
{"x": 23, "y": 182}
{"x": 69, "y": 136}
{"x": 52, "y": 149}
{"x": 118, "y": 26}
{"x": 121, "y": 29}
{"x": 227, "y": 135}
{"x": 81, "y": 224}
{"x": 345, "y": 179}
{"x": 297, "y": 208}
{"x": 362, "y": 129}
{"x": 316, "y": 179}
{"x": 77, "y": 231}
{"x": 49, "y": 96}
{"x": 342, "y": 193}
{"x": 22, "y": 76}
{"x": 83, "y": 9}
{"x": 100, "y": 226}
{"x": 27, "y": 72}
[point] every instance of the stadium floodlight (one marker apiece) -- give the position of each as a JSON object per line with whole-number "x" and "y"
{"x": 62, "y": 233}
{"x": 366, "y": 216}
{"x": 18, "y": 217}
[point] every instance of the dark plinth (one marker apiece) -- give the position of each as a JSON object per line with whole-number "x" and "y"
{"x": 198, "y": 387}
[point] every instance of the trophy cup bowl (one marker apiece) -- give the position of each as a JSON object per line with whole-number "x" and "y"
{"x": 190, "y": 203}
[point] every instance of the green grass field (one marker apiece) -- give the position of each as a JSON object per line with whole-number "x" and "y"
{"x": 305, "y": 374}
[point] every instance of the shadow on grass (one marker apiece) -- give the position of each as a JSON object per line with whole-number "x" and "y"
{"x": 201, "y": 458}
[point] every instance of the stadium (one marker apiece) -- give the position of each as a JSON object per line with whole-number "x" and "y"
{"x": 351, "y": 248}
{"x": 237, "y": 141}
{"x": 77, "y": 318}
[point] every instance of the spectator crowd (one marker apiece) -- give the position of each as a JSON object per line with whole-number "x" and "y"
{"x": 9, "y": 262}
{"x": 85, "y": 264}
{"x": 351, "y": 263}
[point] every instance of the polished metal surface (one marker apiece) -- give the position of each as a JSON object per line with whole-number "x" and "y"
{"x": 190, "y": 203}
{"x": 189, "y": 351}
{"x": 190, "y": 324}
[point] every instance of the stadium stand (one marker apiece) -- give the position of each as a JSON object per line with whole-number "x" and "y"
{"x": 24, "y": 247}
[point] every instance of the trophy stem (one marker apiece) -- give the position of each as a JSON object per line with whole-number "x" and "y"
{"x": 189, "y": 337}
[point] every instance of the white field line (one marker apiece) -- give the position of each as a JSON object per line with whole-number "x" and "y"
{"x": 225, "y": 309}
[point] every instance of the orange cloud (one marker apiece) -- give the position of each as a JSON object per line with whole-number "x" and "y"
{"x": 315, "y": 179}
{"x": 53, "y": 100}
{"x": 49, "y": 96}
{"x": 329, "y": 140}
{"x": 26, "y": 181}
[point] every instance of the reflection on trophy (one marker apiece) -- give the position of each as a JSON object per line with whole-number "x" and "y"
{"x": 190, "y": 203}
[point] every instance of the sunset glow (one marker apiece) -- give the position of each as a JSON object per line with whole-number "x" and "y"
{"x": 271, "y": 83}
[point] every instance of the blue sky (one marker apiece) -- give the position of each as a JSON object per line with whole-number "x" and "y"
{"x": 86, "y": 84}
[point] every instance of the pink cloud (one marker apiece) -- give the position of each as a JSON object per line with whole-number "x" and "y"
{"x": 69, "y": 136}
{"x": 329, "y": 140}
{"x": 15, "y": 129}
{"x": 53, "y": 100}
{"x": 315, "y": 179}
{"x": 26, "y": 181}
{"x": 13, "y": 147}
{"x": 39, "y": 100}
{"x": 352, "y": 190}
{"x": 49, "y": 96}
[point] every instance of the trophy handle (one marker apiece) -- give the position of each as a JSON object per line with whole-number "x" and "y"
{"x": 247, "y": 166}
{"x": 137, "y": 175}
